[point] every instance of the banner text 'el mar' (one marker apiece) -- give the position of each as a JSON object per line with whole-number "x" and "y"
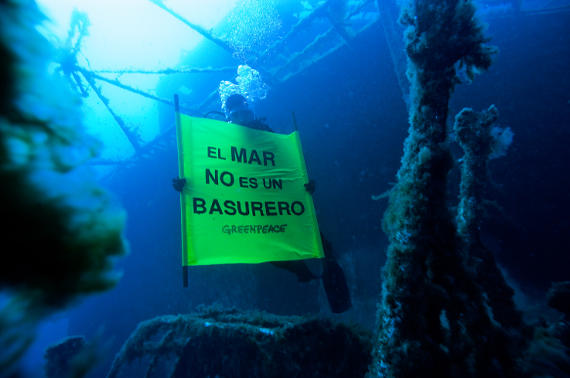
{"x": 244, "y": 200}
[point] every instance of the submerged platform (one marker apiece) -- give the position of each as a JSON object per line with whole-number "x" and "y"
{"x": 230, "y": 343}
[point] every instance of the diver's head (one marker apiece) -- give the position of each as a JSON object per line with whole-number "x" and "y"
{"x": 237, "y": 110}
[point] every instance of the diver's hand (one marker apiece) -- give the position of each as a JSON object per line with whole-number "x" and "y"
{"x": 178, "y": 184}
{"x": 310, "y": 187}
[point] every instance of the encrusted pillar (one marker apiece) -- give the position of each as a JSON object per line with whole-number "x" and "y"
{"x": 434, "y": 319}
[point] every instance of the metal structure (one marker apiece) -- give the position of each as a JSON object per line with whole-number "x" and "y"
{"x": 319, "y": 33}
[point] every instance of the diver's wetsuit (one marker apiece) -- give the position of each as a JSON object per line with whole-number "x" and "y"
{"x": 334, "y": 280}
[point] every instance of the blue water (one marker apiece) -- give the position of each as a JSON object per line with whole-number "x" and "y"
{"x": 352, "y": 122}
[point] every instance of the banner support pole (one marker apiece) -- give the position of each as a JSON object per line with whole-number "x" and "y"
{"x": 294, "y": 121}
{"x": 302, "y": 156}
{"x": 182, "y": 201}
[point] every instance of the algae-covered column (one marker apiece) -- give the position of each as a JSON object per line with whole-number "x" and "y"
{"x": 433, "y": 320}
{"x": 481, "y": 142}
{"x": 472, "y": 131}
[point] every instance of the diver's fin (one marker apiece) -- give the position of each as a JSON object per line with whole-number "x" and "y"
{"x": 334, "y": 281}
{"x": 335, "y": 286}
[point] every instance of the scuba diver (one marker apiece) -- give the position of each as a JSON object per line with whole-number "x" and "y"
{"x": 333, "y": 278}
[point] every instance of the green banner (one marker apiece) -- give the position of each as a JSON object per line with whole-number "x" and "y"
{"x": 244, "y": 200}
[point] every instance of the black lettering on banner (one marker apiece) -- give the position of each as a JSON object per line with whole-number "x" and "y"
{"x": 243, "y": 182}
{"x": 211, "y": 152}
{"x": 210, "y": 176}
{"x": 300, "y": 208}
{"x": 269, "y": 183}
{"x": 230, "y": 207}
{"x": 254, "y": 157}
{"x": 268, "y": 156}
{"x": 243, "y": 212}
{"x": 216, "y": 208}
{"x": 245, "y": 208}
{"x": 283, "y": 207}
{"x": 253, "y": 182}
{"x": 242, "y": 156}
{"x": 227, "y": 178}
{"x": 270, "y": 208}
{"x": 253, "y": 229}
{"x": 256, "y": 206}
{"x": 199, "y": 205}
